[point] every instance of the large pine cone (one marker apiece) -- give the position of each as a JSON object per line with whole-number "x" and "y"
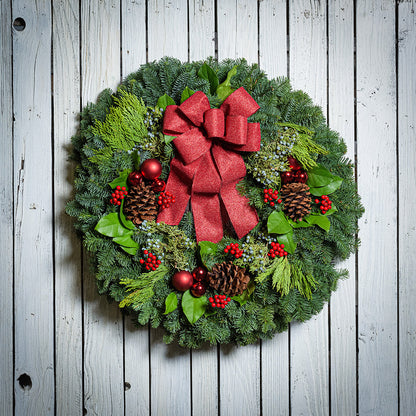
{"x": 140, "y": 204}
{"x": 228, "y": 278}
{"x": 297, "y": 200}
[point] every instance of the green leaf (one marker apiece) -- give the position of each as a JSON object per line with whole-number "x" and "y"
{"x": 126, "y": 241}
{"x": 206, "y": 72}
{"x": 164, "y": 101}
{"x": 301, "y": 224}
{"x": 245, "y": 296}
{"x": 224, "y": 89}
{"x": 130, "y": 250}
{"x": 207, "y": 249}
{"x": 121, "y": 180}
{"x": 168, "y": 139}
{"x": 126, "y": 223}
{"x": 328, "y": 189}
{"x": 111, "y": 226}
{"x": 287, "y": 240}
{"x": 278, "y": 224}
{"x": 192, "y": 307}
{"x": 332, "y": 210}
{"x": 187, "y": 92}
{"x": 319, "y": 176}
{"x": 319, "y": 220}
{"x": 171, "y": 303}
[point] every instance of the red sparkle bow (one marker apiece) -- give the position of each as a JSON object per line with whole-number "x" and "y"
{"x": 208, "y": 165}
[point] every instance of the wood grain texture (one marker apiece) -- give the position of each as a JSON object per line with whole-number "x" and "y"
{"x": 377, "y": 262}
{"x": 341, "y": 119}
{"x": 407, "y": 203}
{"x": 201, "y": 29}
{"x": 103, "y": 341}
{"x": 309, "y": 341}
{"x": 136, "y": 341}
{"x": 34, "y": 328}
{"x": 204, "y": 362}
{"x": 6, "y": 211}
{"x": 237, "y": 30}
{"x": 167, "y": 29}
{"x": 68, "y": 288}
{"x": 275, "y": 352}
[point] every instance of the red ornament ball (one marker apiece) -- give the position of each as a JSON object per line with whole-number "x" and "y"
{"x": 182, "y": 280}
{"x": 135, "y": 178}
{"x": 198, "y": 289}
{"x": 151, "y": 169}
{"x": 293, "y": 163}
{"x": 287, "y": 177}
{"x": 301, "y": 176}
{"x": 158, "y": 185}
{"x": 200, "y": 274}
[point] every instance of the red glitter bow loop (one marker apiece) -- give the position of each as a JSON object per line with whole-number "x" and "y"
{"x": 206, "y": 170}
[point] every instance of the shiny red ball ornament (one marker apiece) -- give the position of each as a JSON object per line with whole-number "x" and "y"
{"x": 151, "y": 169}
{"x": 200, "y": 274}
{"x": 182, "y": 280}
{"x": 158, "y": 185}
{"x": 135, "y": 178}
{"x": 198, "y": 289}
{"x": 301, "y": 177}
{"x": 293, "y": 163}
{"x": 287, "y": 177}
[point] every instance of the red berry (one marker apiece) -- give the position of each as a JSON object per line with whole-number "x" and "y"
{"x": 272, "y": 204}
{"x": 279, "y": 201}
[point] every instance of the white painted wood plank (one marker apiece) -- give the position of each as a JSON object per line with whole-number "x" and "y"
{"x": 377, "y": 262}
{"x": 34, "y": 327}
{"x": 275, "y": 352}
{"x": 103, "y": 343}
{"x": 6, "y": 211}
{"x": 68, "y": 289}
{"x": 201, "y": 29}
{"x": 133, "y": 29}
{"x": 167, "y": 29}
{"x": 407, "y": 204}
{"x": 237, "y": 30}
{"x": 170, "y": 372}
{"x": 273, "y": 37}
{"x": 239, "y": 367}
{"x": 341, "y": 118}
{"x": 204, "y": 362}
{"x": 309, "y": 341}
{"x": 136, "y": 341}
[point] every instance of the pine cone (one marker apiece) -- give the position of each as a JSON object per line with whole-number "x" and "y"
{"x": 228, "y": 278}
{"x": 297, "y": 200}
{"x": 140, "y": 204}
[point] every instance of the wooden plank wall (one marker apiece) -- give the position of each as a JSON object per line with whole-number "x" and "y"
{"x": 65, "y": 350}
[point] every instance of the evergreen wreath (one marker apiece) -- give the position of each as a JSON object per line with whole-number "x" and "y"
{"x": 295, "y": 205}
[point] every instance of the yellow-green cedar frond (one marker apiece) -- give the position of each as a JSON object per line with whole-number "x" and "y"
{"x": 281, "y": 277}
{"x": 124, "y": 125}
{"x": 303, "y": 282}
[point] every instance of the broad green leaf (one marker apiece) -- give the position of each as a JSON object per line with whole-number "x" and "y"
{"x": 245, "y": 296}
{"x": 328, "y": 189}
{"x": 193, "y": 307}
{"x": 206, "y": 72}
{"x": 332, "y": 210}
{"x": 301, "y": 224}
{"x": 126, "y": 223}
{"x": 130, "y": 250}
{"x": 319, "y": 176}
{"x": 278, "y": 224}
{"x": 164, "y": 101}
{"x": 207, "y": 248}
{"x": 171, "y": 303}
{"x": 287, "y": 240}
{"x": 111, "y": 226}
{"x": 187, "y": 92}
{"x": 168, "y": 139}
{"x": 224, "y": 89}
{"x": 319, "y": 220}
{"x": 121, "y": 180}
{"x": 126, "y": 241}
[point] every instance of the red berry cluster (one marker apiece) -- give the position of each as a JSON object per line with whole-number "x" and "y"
{"x": 270, "y": 196}
{"x": 165, "y": 199}
{"x": 219, "y": 301}
{"x": 277, "y": 250}
{"x": 151, "y": 263}
{"x": 234, "y": 250}
{"x": 325, "y": 204}
{"x": 119, "y": 194}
